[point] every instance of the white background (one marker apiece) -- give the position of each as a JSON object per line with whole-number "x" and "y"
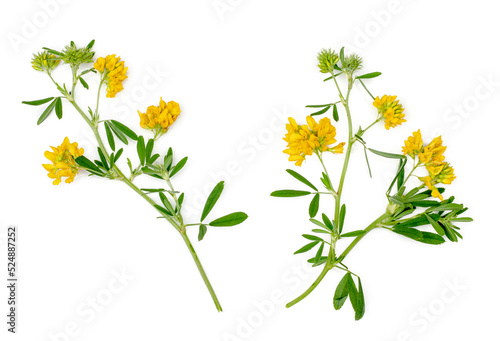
{"x": 238, "y": 71}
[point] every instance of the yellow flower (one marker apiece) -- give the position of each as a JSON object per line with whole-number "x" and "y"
{"x": 441, "y": 174}
{"x": 114, "y": 73}
{"x": 413, "y": 146}
{"x": 391, "y": 110}
{"x": 63, "y": 161}
{"x": 160, "y": 118}
{"x": 314, "y": 137}
{"x": 433, "y": 152}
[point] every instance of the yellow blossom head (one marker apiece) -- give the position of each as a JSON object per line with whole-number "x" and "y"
{"x": 63, "y": 161}
{"x": 314, "y": 137}
{"x": 113, "y": 73}
{"x": 433, "y": 152}
{"x": 413, "y": 146}
{"x": 391, "y": 110}
{"x": 159, "y": 118}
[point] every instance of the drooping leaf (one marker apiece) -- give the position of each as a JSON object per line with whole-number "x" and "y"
{"x": 301, "y": 178}
{"x": 314, "y": 206}
{"x": 84, "y": 83}
{"x": 166, "y": 203}
{"x": 109, "y": 135}
{"x": 121, "y": 136}
{"x": 341, "y": 292}
{"x": 89, "y": 165}
{"x": 360, "y": 311}
{"x": 202, "y": 232}
{"x": 58, "y": 107}
{"x": 335, "y": 113}
{"x": 327, "y": 221}
{"x": 320, "y": 112}
{"x": 46, "y": 112}
{"x": 124, "y": 129}
{"x": 387, "y": 155}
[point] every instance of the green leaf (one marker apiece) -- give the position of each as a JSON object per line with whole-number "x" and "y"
{"x": 39, "y": 101}
{"x": 327, "y": 222}
{"x": 301, "y": 178}
{"x": 202, "y": 232}
{"x": 124, "y": 129}
{"x": 178, "y": 166}
{"x": 425, "y": 203}
{"x": 435, "y": 225}
{"x": 321, "y": 231}
{"x": 311, "y": 237}
{"x": 306, "y": 247}
{"x": 141, "y": 150}
{"x": 369, "y": 75}
{"x": 368, "y": 163}
{"x": 163, "y": 210}
{"x": 341, "y": 292}
{"x": 335, "y": 113}
{"x": 103, "y": 159}
{"x": 446, "y": 207}
{"x": 118, "y": 133}
{"x": 353, "y": 234}
{"x": 89, "y": 165}
{"x": 89, "y": 45}
{"x": 84, "y": 83}
{"x": 153, "y": 190}
{"x": 46, "y": 112}
{"x": 230, "y": 219}
{"x": 423, "y": 237}
{"x": 118, "y": 154}
{"x": 58, "y": 107}
{"x": 320, "y": 112}
{"x": 341, "y": 218}
{"x": 341, "y": 55}
{"x": 180, "y": 200}
{"x": 319, "y": 253}
{"x": 387, "y": 155}
{"x": 360, "y": 311}
{"x": 53, "y": 51}
{"x": 314, "y": 206}
{"x": 289, "y": 193}
{"x": 149, "y": 150}
{"x": 212, "y": 199}
{"x": 166, "y": 203}
{"x": 319, "y": 223}
{"x": 401, "y": 167}
{"x": 319, "y": 105}
{"x": 353, "y": 293}
{"x": 109, "y": 135}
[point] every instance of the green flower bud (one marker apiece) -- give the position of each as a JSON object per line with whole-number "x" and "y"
{"x": 327, "y": 60}
{"x": 44, "y": 61}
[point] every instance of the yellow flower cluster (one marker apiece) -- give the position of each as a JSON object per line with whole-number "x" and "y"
{"x": 390, "y": 109}
{"x": 432, "y": 156}
{"x": 63, "y": 161}
{"x": 314, "y": 137}
{"x": 114, "y": 72}
{"x": 160, "y": 118}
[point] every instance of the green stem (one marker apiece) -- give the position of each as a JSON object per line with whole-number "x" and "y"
{"x": 376, "y": 223}
{"x": 178, "y": 226}
{"x": 311, "y": 288}
{"x": 201, "y": 270}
